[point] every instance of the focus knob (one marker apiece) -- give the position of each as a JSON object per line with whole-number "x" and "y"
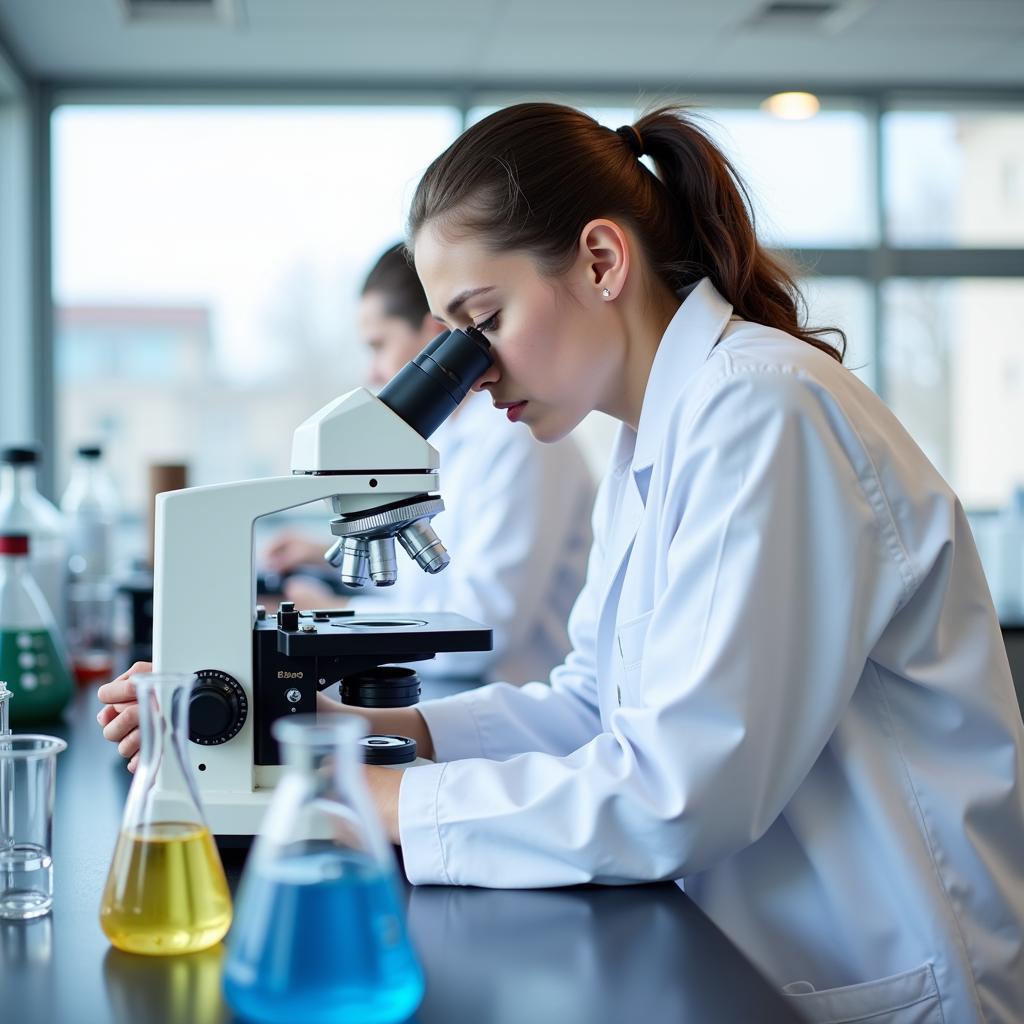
{"x": 217, "y": 708}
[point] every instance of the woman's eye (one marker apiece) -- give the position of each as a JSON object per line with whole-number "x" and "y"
{"x": 490, "y": 324}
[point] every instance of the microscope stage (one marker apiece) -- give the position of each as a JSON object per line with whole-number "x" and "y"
{"x": 324, "y": 633}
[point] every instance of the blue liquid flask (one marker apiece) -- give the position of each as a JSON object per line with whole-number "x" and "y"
{"x": 319, "y": 934}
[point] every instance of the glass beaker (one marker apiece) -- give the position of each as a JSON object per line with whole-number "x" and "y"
{"x": 28, "y": 778}
{"x": 166, "y": 892}
{"x": 319, "y": 934}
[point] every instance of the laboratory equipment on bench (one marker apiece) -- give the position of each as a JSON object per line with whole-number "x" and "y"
{"x": 91, "y": 507}
{"x": 367, "y": 457}
{"x": 319, "y": 934}
{"x": 28, "y": 779}
{"x": 24, "y": 510}
{"x": 166, "y": 892}
{"x": 33, "y": 661}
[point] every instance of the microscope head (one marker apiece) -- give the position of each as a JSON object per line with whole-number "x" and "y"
{"x": 360, "y": 433}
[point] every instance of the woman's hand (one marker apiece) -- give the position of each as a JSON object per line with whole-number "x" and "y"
{"x": 119, "y": 717}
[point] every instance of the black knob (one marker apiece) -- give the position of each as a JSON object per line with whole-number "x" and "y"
{"x": 217, "y": 708}
{"x": 287, "y": 616}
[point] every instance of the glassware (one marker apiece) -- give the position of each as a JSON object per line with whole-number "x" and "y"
{"x": 28, "y": 776}
{"x": 5, "y": 708}
{"x": 91, "y": 507}
{"x": 32, "y": 655}
{"x": 319, "y": 935}
{"x": 166, "y": 892}
{"x": 24, "y": 510}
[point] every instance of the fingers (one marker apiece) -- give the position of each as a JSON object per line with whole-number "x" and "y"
{"x": 121, "y": 689}
{"x": 133, "y": 764}
{"x": 107, "y": 714}
{"x": 121, "y": 725}
{"x": 129, "y": 746}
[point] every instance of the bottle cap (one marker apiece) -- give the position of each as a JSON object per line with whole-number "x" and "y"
{"x": 25, "y": 454}
{"x": 90, "y": 451}
{"x": 14, "y": 544}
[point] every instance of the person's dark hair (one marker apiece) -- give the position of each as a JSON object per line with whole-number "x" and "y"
{"x": 531, "y": 176}
{"x": 394, "y": 278}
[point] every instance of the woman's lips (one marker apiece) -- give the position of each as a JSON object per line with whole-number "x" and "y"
{"x": 513, "y": 410}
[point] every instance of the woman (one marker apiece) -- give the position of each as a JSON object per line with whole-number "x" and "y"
{"x": 787, "y": 688}
{"x": 516, "y": 519}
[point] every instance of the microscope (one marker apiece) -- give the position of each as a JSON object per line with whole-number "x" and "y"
{"x": 368, "y": 459}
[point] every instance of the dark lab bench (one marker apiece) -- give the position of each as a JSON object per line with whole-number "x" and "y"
{"x": 590, "y": 955}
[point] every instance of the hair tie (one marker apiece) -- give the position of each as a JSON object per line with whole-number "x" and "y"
{"x": 633, "y": 139}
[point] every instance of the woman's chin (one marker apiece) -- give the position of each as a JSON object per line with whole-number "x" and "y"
{"x": 547, "y": 430}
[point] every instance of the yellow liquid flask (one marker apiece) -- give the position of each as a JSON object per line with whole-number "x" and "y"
{"x": 166, "y": 892}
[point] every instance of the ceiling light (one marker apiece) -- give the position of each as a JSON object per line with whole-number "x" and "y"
{"x": 792, "y": 106}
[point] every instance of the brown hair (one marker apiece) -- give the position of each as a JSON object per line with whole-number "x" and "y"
{"x": 531, "y": 176}
{"x": 394, "y": 278}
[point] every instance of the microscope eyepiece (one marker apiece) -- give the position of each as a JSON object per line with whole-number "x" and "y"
{"x": 427, "y": 390}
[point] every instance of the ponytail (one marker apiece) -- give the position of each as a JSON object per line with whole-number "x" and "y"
{"x": 531, "y": 176}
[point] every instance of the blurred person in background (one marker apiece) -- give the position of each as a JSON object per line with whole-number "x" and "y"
{"x": 516, "y": 519}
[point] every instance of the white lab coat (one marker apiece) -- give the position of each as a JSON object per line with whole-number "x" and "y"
{"x": 787, "y": 690}
{"x": 517, "y": 524}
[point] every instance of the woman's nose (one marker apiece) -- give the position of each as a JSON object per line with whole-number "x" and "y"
{"x": 490, "y": 376}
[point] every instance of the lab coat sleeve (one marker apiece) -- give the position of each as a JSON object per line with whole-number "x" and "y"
{"x": 499, "y": 720}
{"x": 521, "y": 516}
{"x": 778, "y": 569}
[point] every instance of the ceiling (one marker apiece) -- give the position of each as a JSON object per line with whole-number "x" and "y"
{"x": 687, "y": 43}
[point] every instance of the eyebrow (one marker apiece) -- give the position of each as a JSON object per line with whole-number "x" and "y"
{"x": 463, "y": 296}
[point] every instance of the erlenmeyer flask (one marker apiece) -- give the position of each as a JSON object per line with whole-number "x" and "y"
{"x": 319, "y": 935}
{"x": 166, "y": 892}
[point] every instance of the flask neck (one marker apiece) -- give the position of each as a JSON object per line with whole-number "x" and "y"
{"x": 163, "y": 789}
{"x": 18, "y": 481}
{"x": 89, "y": 485}
{"x": 320, "y": 746}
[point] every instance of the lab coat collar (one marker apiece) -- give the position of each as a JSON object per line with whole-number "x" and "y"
{"x": 686, "y": 344}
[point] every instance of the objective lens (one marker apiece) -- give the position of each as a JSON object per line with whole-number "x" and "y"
{"x": 334, "y": 553}
{"x": 422, "y": 544}
{"x": 383, "y": 566}
{"x": 355, "y": 556}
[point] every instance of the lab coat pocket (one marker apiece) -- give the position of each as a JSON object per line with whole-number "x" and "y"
{"x": 908, "y": 998}
{"x": 630, "y": 642}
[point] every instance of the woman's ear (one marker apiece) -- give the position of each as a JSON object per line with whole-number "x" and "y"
{"x": 604, "y": 257}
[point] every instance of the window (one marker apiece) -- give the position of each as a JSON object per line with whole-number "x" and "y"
{"x": 954, "y": 363}
{"x": 207, "y": 264}
{"x": 954, "y": 177}
{"x": 810, "y": 180}
{"x": 845, "y": 303}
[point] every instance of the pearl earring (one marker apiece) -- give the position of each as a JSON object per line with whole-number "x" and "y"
{"x": 606, "y": 293}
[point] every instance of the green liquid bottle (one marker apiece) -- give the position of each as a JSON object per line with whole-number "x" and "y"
{"x": 32, "y": 657}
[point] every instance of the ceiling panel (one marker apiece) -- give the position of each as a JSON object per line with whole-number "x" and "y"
{"x": 874, "y": 42}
